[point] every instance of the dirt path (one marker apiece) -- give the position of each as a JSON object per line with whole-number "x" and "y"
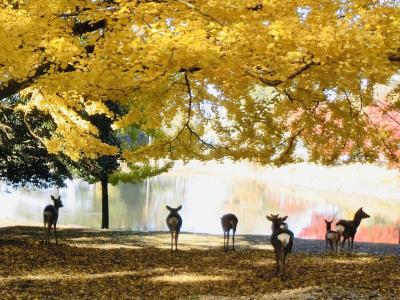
{"x": 95, "y": 264}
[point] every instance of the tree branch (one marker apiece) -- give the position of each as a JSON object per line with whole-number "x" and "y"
{"x": 393, "y": 156}
{"x": 291, "y": 76}
{"x": 88, "y": 26}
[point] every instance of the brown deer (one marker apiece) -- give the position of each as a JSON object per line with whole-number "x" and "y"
{"x": 50, "y": 217}
{"x": 228, "y": 222}
{"x": 174, "y": 223}
{"x": 331, "y": 238}
{"x": 348, "y": 228}
{"x": 281, "y": 240}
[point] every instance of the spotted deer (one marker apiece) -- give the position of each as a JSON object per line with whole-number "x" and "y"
{"x": 331, "y": 237}
{"x": 174, "y": 223}
{"x": 228, "y": 222}
{"x": 50, "y": 217}
{"x": 281, "y": 240}
{"x": 348, "y": 228}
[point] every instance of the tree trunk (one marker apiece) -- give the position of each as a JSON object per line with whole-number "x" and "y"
{"x": 104, "y": 202}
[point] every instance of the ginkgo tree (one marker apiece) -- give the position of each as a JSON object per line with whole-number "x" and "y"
{"x": 240, "y": 79}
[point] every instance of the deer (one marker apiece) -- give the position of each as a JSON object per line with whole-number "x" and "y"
{"x": 228, "y": 222}
{"x": 50, "y": 217}
{"x": 174, "y": 223}
{"x": 281, "y": 240}
{"x": 331, "y": 237}
{"x": 348, "y": 228}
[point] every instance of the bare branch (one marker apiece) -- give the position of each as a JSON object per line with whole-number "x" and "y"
{"x": 31, "y": 130}
{"x": 350, "y": 105}
{"x": 290, "y": 145}
{"x": 394, "y": 57}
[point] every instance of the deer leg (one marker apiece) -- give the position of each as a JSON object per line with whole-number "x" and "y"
{"x": 172, "y": 241}
{"x": 224, "y": 239}
{"x": 283, "y": 257}
{"x": 44, "y": 231}
{"x": 233, "y": 239}
{"x": 176, "y": 240}
{"x": 344, "y": 240}
{"x": 227, "y": 241}
{"x": 48, "y": 231}
{"x": 352, "y": 243}
{"x": 277, "y": 267}
{"x": 331, "y": 245}
{"x": 336, "y": 247}
{"x": 55, "y": 232}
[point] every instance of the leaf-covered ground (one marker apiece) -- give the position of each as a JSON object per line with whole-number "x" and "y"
{"x": 126, "y": 265}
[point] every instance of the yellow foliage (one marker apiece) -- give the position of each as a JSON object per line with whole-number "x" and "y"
{"x": 193, "y": 65}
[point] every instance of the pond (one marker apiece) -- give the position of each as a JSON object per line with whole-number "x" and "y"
{"x": 305, "y": 193}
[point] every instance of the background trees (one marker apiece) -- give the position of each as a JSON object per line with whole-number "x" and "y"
{"x": 243, "y": 80}
{"x": 113, "y": 168}
{"x": 23, "y": 158}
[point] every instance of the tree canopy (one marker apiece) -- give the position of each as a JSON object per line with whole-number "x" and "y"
{"x": 243, "y": 79}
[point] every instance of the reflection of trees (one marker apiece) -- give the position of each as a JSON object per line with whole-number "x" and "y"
{"x": 126, "y": 203}
{"x": 249, "y": 202}
{"x": 171, "y": 190}
{"x": 142, "y": 206}
{"x": 376, "y": 232}
{"x": 316, "y": 229}
{"x": 285, "y": 201}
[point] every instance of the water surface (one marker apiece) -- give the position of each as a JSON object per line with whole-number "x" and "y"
{"x": 306, "y": 195}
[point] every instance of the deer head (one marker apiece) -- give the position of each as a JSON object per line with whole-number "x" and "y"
{"x": 57, "y": 201}
{"x": 328, "y": 224}
{"x": 174, "y": 210}
{"x": 361, "y": 214}
{"x": 276, "y": 221}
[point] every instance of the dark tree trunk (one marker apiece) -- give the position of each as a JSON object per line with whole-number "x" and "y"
{"x": 104, "y": 202}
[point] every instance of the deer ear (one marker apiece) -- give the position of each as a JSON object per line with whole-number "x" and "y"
{"x": 179, "y": 207}
{"x": 52, "y": 198}
{"x": 169, "y": 208}
{"x": 268, "y": 217}
{"x": 326, "y": 221}
{"x": 284, "y": 218}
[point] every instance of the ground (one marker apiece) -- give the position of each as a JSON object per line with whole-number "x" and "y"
{"x": 99, "y": 264}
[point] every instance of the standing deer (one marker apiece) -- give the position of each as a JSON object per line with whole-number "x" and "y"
{"x": 174, "y": 223}
{"x": 348, "y": 228}
{"x": 281, "y": 240}
{"x": 228, "y": 222}
{"x": 50, "y": 217}
{"x": 331, "y": 238}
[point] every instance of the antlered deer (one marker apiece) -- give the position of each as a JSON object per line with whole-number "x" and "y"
{"x": 228, "y": 222}
{"x": 348, "y": 228}
{"x": 174, "y": 223}
{"x": 50, "y": 217}
{"x": 331, "y": 237}
{"x": 281, "y": 240}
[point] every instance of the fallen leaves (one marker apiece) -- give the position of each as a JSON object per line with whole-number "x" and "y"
{"x": 82, "y": 267}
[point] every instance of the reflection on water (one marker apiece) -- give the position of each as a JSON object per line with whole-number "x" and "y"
{"x": 307, "y": 196}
